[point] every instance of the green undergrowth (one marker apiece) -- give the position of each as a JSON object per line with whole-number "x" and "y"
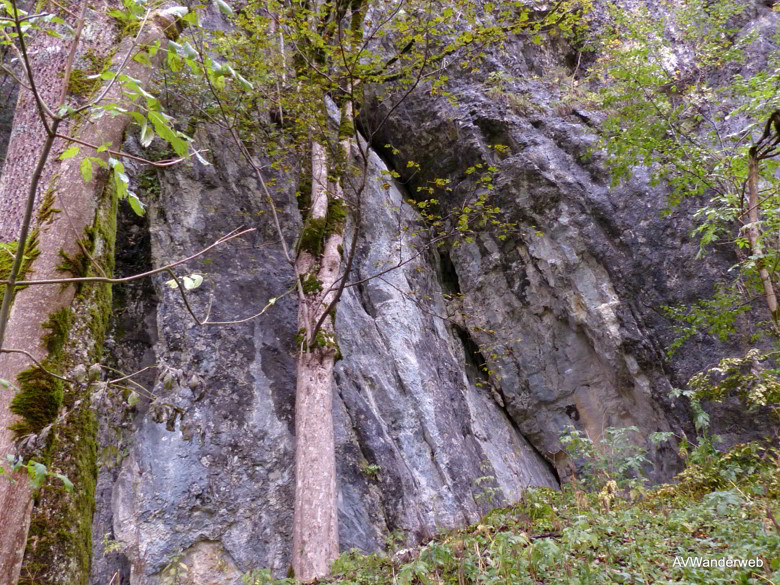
{"x": 723, "y": 507}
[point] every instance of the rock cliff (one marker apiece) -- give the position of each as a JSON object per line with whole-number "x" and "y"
{"x": 565, "y": 314}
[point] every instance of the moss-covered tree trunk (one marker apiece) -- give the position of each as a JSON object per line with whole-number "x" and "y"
{"x": 315, "y": 521}
{"x": 60, "y": 326}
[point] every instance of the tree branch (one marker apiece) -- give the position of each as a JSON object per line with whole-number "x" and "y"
{"x": 234, "y": 234}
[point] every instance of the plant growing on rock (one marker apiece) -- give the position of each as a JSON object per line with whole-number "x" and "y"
{"x": 669, "y": 109}
{"x": 318, "y": 61}
{"x": 305, "y": 67}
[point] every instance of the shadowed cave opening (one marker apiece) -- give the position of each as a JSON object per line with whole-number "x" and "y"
{"x": 449, "y": 276}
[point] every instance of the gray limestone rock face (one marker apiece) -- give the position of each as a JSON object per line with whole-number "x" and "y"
{"x": 204, "y": 463}
{"x": 446, "y": 451}
{"x": 460, "y": 367}
{"x": 207, "y": 455}
{"x": 572, "y": 296}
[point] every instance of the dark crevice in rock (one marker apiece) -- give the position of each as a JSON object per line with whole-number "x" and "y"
{"x": 449, "y": 275}
{"x": 135, "y": 302}
{"x": 476, "y": 365}
{"x": 476, "y": 372}
{"x": 8, "y": 92}
{"x": 365, "y": 300}
{"x": 130, "y": 347}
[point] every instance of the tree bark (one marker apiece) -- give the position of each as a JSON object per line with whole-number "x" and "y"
{"x": 59, "y": 233}
{"x": 315, "y": 521}
{"x": 315, "y": 524}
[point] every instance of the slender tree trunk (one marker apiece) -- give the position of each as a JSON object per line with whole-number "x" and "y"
{"x": 315, "y": 527}
{"x": 755, "y": 246}
{"x": 60, "y": 231}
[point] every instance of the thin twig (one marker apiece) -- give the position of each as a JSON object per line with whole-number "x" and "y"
{"x": 128, "y": 376}
{"x": 72, "y": 55}
{"x": 37, "y": 363}
{"x": 162, "y": 163}
{"x": 222, "y": 240}
{"x": 244, "y": 320}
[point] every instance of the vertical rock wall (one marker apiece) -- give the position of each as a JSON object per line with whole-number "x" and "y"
{"x": 565, "y": 313}
{"x": 204, "y": 468}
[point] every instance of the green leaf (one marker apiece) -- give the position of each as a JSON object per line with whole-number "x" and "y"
{"x": 193, "y": 281}
{"x": 143, "y": 58}
{"x": 136, "y": 203}
{"x": 224, "y": 7}
{"x": 178, "y": 11}
{"x": 99, "y": 161}
{"x": 70, "y": 153}
{"x": 167, "y": 133}
{"x": 65, "y": 482}
{"x": 7, "y": 384}
{"x": 147, "y": 135}
{"x": 37, "y": 472}
{"x": 248, "y": 86}
{"x": 86, "y": 170}
{"x": 115, "y": 164}
{"x": 188, "y": 51}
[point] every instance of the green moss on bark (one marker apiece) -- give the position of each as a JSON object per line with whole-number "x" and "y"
{"x": 58, "y": 324}
{"x": 7, "y": 255}
{"x": 313, "y": 236}
{"x": 311, "y": 284}
{"x": 83, "y": 82}
{"x": 47, "y": 209}
{"x": 75, "y": 265}
{"x": 37, "y": 402}
{"x": 316, "y": 230}
{"x": 337, "y": 217}
{"x": 59, "y": 546}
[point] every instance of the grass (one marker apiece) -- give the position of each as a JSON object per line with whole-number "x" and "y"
{"x": 723, "y": 507}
